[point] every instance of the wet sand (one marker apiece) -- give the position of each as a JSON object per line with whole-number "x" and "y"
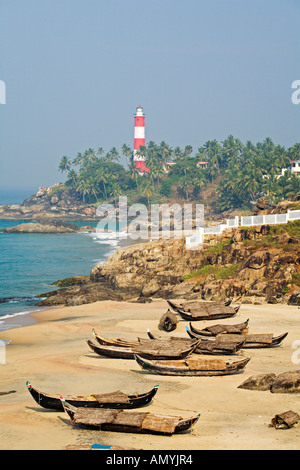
{"x": 54, "y": 356}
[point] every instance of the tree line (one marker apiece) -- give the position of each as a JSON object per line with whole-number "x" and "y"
{"x": 241, "y": 173}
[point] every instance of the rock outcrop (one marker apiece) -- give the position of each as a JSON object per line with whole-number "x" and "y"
{"x": 287, "y": 382}
{"x": 49, "y": 203}
{"x": 47, "y": 226}
{"x": 52, "y": 226}
{"x": 252, "y": 265}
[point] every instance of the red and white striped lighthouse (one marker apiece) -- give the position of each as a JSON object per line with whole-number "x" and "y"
{"x": 139, "y": 139}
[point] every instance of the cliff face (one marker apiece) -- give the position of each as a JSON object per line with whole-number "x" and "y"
{"x": 256, "y": 264}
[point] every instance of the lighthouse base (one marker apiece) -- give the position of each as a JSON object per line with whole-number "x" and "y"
{"x": 140, "y": 165}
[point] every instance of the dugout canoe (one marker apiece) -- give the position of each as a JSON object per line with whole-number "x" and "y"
{"x": 144, "y": 342}
{"x": 155, "y": 351}
{"x": 193, "y": 367}
{"x": 205, "y": 346}
{"x": 125, "y": 421}
{"x": 115, "y": 400}
{"x": 257, "y": 341}
{"x": 249, "y": 341}
{"x": 195, "y": 310}
{"x": 119, "y": 342}
{"x": 123, "y": 343}
{"x": 214, "y": 330}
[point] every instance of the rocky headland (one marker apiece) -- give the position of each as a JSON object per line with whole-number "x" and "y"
{"x": 47, "y": 226}
{"x": 57, "y": 201}
{"x": 253, "y": 265}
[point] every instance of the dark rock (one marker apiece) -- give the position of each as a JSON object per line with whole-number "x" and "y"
{"x": 260, "y": 382}
{"x": 295, "y": 298}
{"x": 71, "y": 281}
{"x": 288, "y": 382}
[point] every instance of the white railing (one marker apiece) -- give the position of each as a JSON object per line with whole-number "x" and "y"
{"x": 247, "y": 221}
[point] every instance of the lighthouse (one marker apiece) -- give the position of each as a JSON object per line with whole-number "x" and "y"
{"x": 139, "y": 139}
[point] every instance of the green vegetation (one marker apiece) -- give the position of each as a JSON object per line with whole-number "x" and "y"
{"x": 216, "y": 271}
{"x": 219, "y": 246}
{"x": 292, "y": 228}
{"x": 296, "y": 279}
{"x": 242, "y": 173}
{"x": 228, "y": 271}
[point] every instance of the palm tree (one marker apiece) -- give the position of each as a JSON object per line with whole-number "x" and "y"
{"x": 64, "y": 164}
{"x": 83, "y": 189}
{"x": 148, "y": 191}
{"x": 127, "y": 152}
{"x": 112, "y": 155}
{"x": 100, "y": 151}
{"x": 72, "y": 175}
{"x": 185, "y": 185}
{"x": 293, "y": 186}
{"x": 135, "y": 174}
{"x": 78, "y": 159}
{"x": 178, "y": 154}
{"x": 115, "y": 191}
{"x": 270, "y": 185}
{"x": 102, "y": 179}
{"x": 188, "y": 149}
{"x": 232, "y": 148}
{"x": 294, "y": 152}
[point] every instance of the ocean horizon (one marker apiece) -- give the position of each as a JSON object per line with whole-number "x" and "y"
{"x": 15, "y": 196}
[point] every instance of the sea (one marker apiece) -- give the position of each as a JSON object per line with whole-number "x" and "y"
{"x": 31, "y": 262}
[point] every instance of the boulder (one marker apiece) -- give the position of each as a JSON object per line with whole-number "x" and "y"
{"x": 288, "y": 382}
{"x": 295, "y": 298}
{"x": 260, "y": 382}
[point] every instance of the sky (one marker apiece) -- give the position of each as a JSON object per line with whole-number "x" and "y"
{"x": 75, "y": 71}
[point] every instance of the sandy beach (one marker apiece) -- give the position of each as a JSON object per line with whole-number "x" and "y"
{"x": 54, "y": 356}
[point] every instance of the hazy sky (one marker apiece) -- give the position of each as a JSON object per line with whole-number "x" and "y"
{"x": 75, "y": 71}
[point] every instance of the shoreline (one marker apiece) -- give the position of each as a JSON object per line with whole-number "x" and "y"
{"x": 53, "y": 355}
{"x": 24, "y": 318}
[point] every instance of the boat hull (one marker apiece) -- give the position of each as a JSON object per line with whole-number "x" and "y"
{"x": 53, "y": 402}
{"x": 162, "y": 369}
{"x": 183, "y": 425}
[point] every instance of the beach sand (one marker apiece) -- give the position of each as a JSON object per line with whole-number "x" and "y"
{"x": 54, "y": 356}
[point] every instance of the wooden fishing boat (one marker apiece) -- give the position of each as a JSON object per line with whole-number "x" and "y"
{"x": 125, "y": 421}
{"x": 256, "y": 341}
{"x": 219, "y": 348}
{"x": 120, "y": 343}
{"x": 212, "y": 347}
{"x": 246, "y": 341}
{"x": 196, "y": 310}
{"x": 115, "y": 400}
{"x": 193, "y": 367}
{"x": 151, "y": 351}
{"x": 214, "y": 330}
